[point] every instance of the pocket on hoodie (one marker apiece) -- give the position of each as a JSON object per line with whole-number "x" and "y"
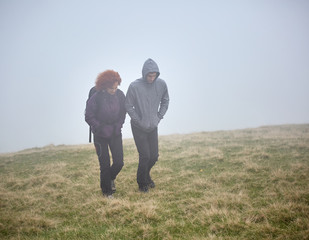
{"x": 141, "y": 123}
{"x": 159, "y": 119}
{"x": 155, "y": 122}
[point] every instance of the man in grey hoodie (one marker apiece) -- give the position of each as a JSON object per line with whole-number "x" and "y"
{"x": 147, "y": 101}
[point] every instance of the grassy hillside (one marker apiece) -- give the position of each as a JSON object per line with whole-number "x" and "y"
{"x": 244, "y": 184}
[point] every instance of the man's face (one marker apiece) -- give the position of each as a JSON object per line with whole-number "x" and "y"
{"x": 151, "y": 77}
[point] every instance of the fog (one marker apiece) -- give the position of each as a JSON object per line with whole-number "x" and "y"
{"x": 227, "y": 64}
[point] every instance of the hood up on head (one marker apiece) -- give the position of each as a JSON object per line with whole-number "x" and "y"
{"x": 150, "y": 66}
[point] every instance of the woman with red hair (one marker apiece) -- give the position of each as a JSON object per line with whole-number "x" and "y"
{"x": 105, "y": 114}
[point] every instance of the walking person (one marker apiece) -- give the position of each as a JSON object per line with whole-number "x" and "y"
{"x": 147, "y": 101}
{"x": 105, "y": 114}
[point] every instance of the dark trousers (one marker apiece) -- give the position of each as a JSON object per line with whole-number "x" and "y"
{"x": 109, "y": 172}
{"x": 148, "y": 150}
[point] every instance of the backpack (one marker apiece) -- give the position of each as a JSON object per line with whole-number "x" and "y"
{"x": 91, "y": 92}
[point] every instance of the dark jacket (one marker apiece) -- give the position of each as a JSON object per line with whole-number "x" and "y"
{"x": 147, "y": 103}
{"x": 106, "y": 113}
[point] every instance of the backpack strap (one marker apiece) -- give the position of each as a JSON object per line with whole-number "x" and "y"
{"x": 91, "y": 92}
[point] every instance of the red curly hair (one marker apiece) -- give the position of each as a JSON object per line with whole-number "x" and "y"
{"x": 107, "y": 79}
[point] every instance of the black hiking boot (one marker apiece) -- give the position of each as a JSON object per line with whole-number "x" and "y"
{"x": 151, "y": 184}
{"x": 143, "y": 189}
{"x": 108, "y": 195}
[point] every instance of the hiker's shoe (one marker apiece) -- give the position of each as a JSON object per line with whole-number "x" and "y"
{"x": 113, "y": 186}
{"x": 108, "y": 195}
{"x": 151, "y": 184}
{"x": 143, "y": 189}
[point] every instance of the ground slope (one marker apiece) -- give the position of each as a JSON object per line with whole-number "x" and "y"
{"x": 244, "y": 184}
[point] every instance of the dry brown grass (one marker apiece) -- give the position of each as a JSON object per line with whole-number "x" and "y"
{"x": 244, "y": 184}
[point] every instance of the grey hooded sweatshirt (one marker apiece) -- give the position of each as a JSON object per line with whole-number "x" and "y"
{"x": 147, "y": 103}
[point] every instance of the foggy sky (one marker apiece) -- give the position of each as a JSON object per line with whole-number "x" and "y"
{"x": 227, "y": 64}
